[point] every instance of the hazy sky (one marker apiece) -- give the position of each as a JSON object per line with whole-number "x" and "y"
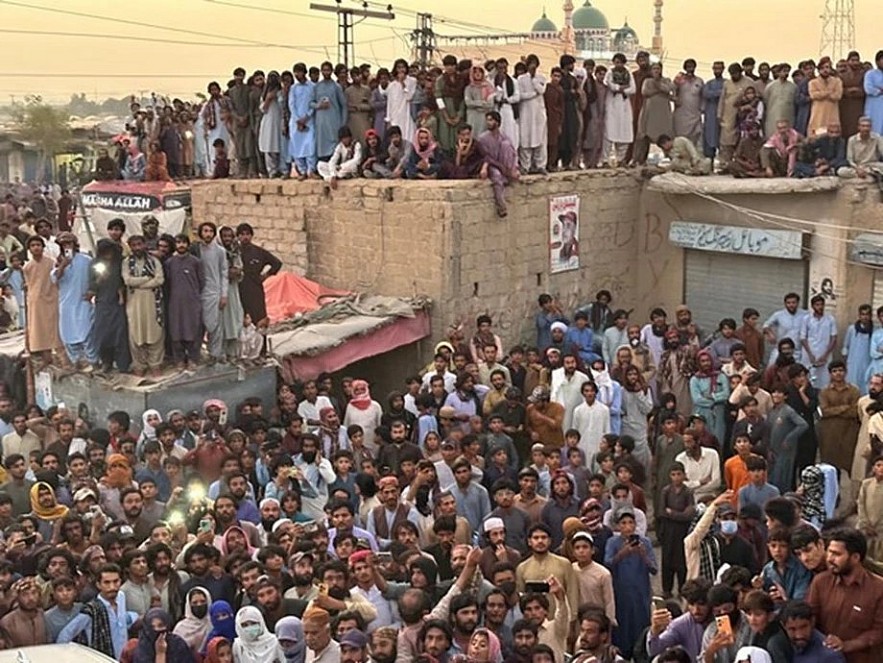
{"x": 240, "y": 34}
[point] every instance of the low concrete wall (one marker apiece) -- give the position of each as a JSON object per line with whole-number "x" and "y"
{"x": 442, "y": 239}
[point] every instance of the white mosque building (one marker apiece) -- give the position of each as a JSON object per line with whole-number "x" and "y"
{"x": 592, "y": 36}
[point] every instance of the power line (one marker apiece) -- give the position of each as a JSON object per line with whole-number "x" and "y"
{"x": 123, "y": 21}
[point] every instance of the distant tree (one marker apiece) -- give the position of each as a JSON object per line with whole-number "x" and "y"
{"x": 45, "y": 126}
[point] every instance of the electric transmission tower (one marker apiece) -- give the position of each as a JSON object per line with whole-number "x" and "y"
{"x": 838, "y": 29}
{"x": 423, "y": 40}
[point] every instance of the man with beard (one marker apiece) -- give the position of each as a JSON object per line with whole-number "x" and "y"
{"x": 868, "y": 445}
{"x": 143, "y": 277}
{"x": 777, "y": 372}
{"x": 677, "y": 365}
{"x": 566, "y": 387}
{"x": 215, "y": 283}
{"x": 270, "y": 511}
{"x": 246, "y": 510}
{"x": 727, "y": 112}
{"x": 496, "y": 551}
{"x": 464, "y": 400}
{"x": 653, "y": 333}
{"x": 25, "y": 625}
{"x": 391, "y": 455}
{"x": 390, "y": 513}
{"x": 495, "y": 609}
{"x": 226, "y": 517}
{"x": 137, "y": 588}
{"x": 165, "y": 580}
{"x": 685, "y": 631}
{"x": 639, "y": 154}
{"x": 133, "y": 504}
{"x": 799, "y": 640}
{"x": 464, "y": 615}
{"x": 332, "y": 436}
{"x": 636, "y": 406}
{"x": 847, "y": 600}
{"x": 315, "y": 475}
{"x": 383, "y": 645}
{"x": 785, "y": 323}
{"x": 268, "y": 597}
{"x": 543, "y": 564}
{"x": 185, "y": 279}
{"x": 721, "y": 646}
{"x": 301, "y": 565}
{"x": 524, "y": 638}
{"x": 593, "y": 643}
{"x": 199, "y": 559}
{"x": 562, "y": 504}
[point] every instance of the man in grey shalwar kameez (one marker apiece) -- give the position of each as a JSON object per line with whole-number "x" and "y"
{"x": 215, "y": 287}
{"x": 231, "y": 318}
{"x": 688, "y": 104}
{"x": 243, "y": 132}
{"x": 329, "y": 102}
{"x": 779, "y": 100}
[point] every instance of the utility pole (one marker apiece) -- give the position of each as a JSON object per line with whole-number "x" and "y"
{"x": 838, "y": 29}
{"x": 423, "y": 39}
{"x": 345, "y": 41}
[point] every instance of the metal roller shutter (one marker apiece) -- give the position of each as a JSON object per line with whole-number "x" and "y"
{"x": 721, "y": 285}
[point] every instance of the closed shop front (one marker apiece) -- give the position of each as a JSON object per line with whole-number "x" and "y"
{"x": 728, "y": 269}
{"x": 867, "y": 249}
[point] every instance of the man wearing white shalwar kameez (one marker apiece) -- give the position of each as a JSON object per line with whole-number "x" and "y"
{"x": 532, "y": 131}
{"x": 344, "y": 162}
{"x": 399, "y": 94}
{"x": 214, "y": 123}
{"x": 618, "y": 126}
{"x": 506, "y": 100}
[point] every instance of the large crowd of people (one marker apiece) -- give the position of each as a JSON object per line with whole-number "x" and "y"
{"x": 468, "y": 119}
{"x": 507, "y": 505}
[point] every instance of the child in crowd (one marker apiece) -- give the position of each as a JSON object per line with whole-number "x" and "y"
{"x": 736, "y": 473}
{"x": 345, "y": 477}
{"x": 784, "y": 578}
{"x": 758, "y": 491}
{"x": 576, "y": 468}
{"x": 625, "y": 476}
{"x": 222, "y": 161}
{"x": 625, "y": 447}
{"x": 251, "y": 341}
{"x": 606, "y": 463}
{"x": 676, "y": 509}
{"x": 540, "y": 464}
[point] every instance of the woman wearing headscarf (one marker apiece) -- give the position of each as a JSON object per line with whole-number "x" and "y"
{"x": 117, "y": 477}
{"x": 149, "y": 421}
{"x": 290, "y": 633}
{"x": 196, "y": 625}
{"x": 365, "y": 412}
{"x": 235, "y": 540}
{"x": 484, "y": 647}
{"x": 156, "y": 644}
{"x": 254, "y": 644}
{"x": 223, "y": 624}
{"x": 46, "y": 509}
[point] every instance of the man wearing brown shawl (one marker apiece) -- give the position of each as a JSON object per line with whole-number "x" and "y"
{"x": 852, "y": 103}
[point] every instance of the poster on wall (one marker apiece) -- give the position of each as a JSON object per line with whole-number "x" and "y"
{"x": 563, "y": 233}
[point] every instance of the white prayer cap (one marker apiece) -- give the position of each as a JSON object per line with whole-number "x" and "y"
{"x": 494, "y": 523}
{"x": 559, "y": 325}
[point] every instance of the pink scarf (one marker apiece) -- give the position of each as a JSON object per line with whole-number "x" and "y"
{"x": 424, "y": 153}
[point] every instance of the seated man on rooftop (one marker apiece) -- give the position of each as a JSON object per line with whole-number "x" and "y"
{"x": 823, "y": 155}
{"x": 779, "y": 153}
{"x": 864, "y": 153}
{"x": 685, "y": 158}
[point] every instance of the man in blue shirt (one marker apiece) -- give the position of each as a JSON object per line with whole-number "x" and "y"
{"x": 473, "y": 502}
{"x": 105, "y": 620}
{"x": 801, "y": 641}
{"x": 580, "y": 338}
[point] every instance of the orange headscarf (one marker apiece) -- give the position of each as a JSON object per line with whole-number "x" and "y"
{"x": 119, "y": 472}
{"x": 46, "y": 513}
